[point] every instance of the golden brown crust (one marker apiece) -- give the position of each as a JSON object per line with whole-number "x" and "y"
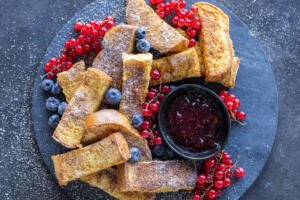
{"x": 106, "y": 180}
{"x": 136, "y": 77}
{"x": 161, "y": 36}
{"x": 177, "y": 67}
{"x": 85, "y": 101}
{"x": 229, "y": 80}
{"x": 71, "y": 80}
{"x": 198, "y": 50}
{"x": 116, "y": 41}
{"x": 157, "y": 176}
{"x": 104, "y": 154}
{"x": 216, "y": 46}
{"x": 105, "y": 122}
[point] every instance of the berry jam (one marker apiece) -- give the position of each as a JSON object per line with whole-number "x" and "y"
{"x": 194, "y": 121}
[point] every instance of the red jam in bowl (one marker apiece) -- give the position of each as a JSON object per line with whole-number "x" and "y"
{"x": 194, "y": 121}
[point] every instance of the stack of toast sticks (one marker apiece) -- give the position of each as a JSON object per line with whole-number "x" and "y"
{"x": 101, "y": 139}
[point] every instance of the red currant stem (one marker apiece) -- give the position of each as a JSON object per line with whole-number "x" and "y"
{"x": 155, "y": 98}
{"x": 212, "y": 174}
{"x": 236, "y": 120}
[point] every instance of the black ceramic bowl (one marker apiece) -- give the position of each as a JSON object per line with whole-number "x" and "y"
{"x": 201, "y": 155}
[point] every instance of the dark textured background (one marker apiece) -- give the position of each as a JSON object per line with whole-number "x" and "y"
{"x": 26, "y": 29}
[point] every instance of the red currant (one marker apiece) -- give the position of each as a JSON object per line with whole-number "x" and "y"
{"x": 146, "y": 112}
{"x": 50, "y": 75}
{"x": 161, "y": 6}
{"x": 219, "y": 175}
{"x": 63, "y": 58}
{"x": 209, "y": 163}
{"x": 230, "y": 97}
{"x": 78, "y": 26}
{"x": 191, "y": 32}
{"x": 158, "y": 140}
{"x": 175, "y": 20}
{"x": 182, "y": 4}
{"x": 196, "y": 25}
{"x": 173, "y": 5}
{"x": 86, "y": 48}
{"x": 151, "y": 95}
{"x": 192, "y": 42}
{"x": 165, "y": 89}
{"x": 228, "y": 174}
{"x": 227, "y": 182}
{"x": 73, "y": 42}
{"x": 197, "y": 197}
{"x": 145, "y": 134}
{"x": 155, "y": 74}
{"x": 68, "y": 65}
{"x": 201, "y": 179}
{"x": 236, "y": 103}
{"x": 229, "y": 105}
{"x": 239, "y": 172}
{"x": 212, "y": 193}
{"x": 153, "y": 107}
{"x": 153, "y": 2}
{"x": 194, "y": 9}
{"x": 161, "y": 13}
{"x": 218, "y": 184}
{"x": 79, "y": 50}
{"x": 48, "y": 67}
{"x": 223, "y": 93}
{"x": 181, "y": 23}
{"x": 221, "y": 167}
{"x": 240, "y": 115}
{"x": 161, "y": 96}
{"x": 145, "y": 105}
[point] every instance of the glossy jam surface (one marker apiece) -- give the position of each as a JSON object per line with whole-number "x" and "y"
{"x": 194, "y": 121}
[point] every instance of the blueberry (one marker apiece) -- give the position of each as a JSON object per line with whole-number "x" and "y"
{"x": 47, "y": 84}
{"x": 137, "y": 120}
{"x": 62, "y": 107}
{"x": 143, "y": 46}
{"x": 53, "y": 120}
{"x": 156, "y": 54}
{"x": 56, "y": 89}
{"x": 52, "y": 104}
{"x": 113, "y": 96}
{"x": 140, "y": 33}
{"x": 158, "y": 151}
{"x": 135, "y": 154}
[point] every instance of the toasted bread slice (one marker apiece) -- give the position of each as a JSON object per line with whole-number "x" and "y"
{"x": 71, "y": 80}
{"x": 116, "y": 41}
{"x": 197, "y": 47}
{"x": 136, "y": 77}
{"x": 177, "y": 67}
{"x": 85, "y": 101}
{"x": 106, "y": 180}
{"x": 229, "y": 80}
{"x": 104, "y": 154}
{"x": 215, "y": 42}
{"x": 105, "y": 122}
{"x": 161, "y": 36}
{"x": 157, "y": 176}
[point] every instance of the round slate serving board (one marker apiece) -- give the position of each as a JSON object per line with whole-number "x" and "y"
{"x": 255, "y": 87}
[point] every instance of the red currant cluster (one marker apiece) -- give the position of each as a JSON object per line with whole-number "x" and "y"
{"x": 87, "y": 41}
{"x": 232, "y": 103}
{"x": 150, "y": 109}
{"x": 216, "y": 174}
{"x": 183, "y": 18}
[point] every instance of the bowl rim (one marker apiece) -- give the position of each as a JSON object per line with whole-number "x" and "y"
{"x": 176, "y": 148}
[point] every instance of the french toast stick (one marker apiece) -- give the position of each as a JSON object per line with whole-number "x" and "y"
{"x": 161, "y": 36}
{"x": 136, "y": 78}
{"x": 117, "y": 40}
{"x": 105, "y": 122}
{"x": 104, "y": 154}
{"x": 215, "y": 42}
{"x": 157, "y": 176}
{"x": 106, "y": 180}
{"x": 229, "y": 80}
{"x": 197, "y": 47}
{"x": 177, "y": 67}
{"x": 85, "y": 101}
{"x": 71, "y": 80}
